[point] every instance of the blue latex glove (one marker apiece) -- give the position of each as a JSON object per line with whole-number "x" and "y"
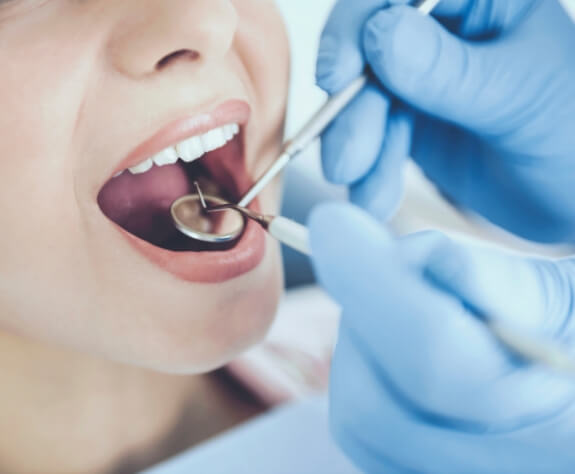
{"x": 486, "y": 107}
{"x": 418, "y": 383}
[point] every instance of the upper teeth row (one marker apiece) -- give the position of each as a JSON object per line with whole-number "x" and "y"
{"x": 190, "y": 149}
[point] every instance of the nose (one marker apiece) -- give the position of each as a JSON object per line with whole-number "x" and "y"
{"x": 153, "y": 35}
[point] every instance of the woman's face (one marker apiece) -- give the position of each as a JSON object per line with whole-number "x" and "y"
{"x": 91, "y": 88}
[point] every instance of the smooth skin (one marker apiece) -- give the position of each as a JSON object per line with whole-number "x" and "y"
{"x": 90, "y": 330}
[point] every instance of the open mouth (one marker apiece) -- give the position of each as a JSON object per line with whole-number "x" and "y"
{"x": 208, "y": 149}
{"x": 138, "y": 199}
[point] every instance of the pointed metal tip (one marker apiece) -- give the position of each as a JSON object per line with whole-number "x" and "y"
{"x": 201, "y": 195}
{"x": 245, "y": 212}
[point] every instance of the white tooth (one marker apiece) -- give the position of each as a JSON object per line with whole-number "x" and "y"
{"x": 166, "y": 157}
{"x": 118, "y": 174}
{"x": 236, "y": 128}
{"x": 213, "y": 140}
{"x": 142, "y": 167}
{"x": 190, "y": 149}
{"x": 228, "y": 132}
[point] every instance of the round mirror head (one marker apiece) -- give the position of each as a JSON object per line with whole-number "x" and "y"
{"x": 193, "y": 220}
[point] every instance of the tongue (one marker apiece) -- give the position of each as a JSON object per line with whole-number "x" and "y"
{"x": 141, "y": 203}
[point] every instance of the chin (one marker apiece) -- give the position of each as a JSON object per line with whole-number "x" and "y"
{"x": 202, "y": 330}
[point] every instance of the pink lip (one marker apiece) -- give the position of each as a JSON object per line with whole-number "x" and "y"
{"x": 208, "y": 267}
{"x": 213, "y": 266}
{"x": 232, "y": 111}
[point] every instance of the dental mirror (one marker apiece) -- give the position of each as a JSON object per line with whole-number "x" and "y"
{"x": 191, "y": 219}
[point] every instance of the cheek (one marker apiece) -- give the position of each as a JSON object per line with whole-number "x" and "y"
{"x": 263, "y": 45}
{"x": 41, "y": 90}
{"x": 40, "y": 259}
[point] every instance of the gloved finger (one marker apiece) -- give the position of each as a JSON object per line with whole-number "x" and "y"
{"x": 340, "y": 58}
{"x": 350, "y": 146}
{"x": 355, "y": 409}
{"x": 380, "y": 192}
{"x": 483, "y": 18}
{"x": 439, "y": 355}
{"x": 526, "y": 293}
{"x": 383, "y": 432}
{"x": 463, "y": 167}
{"x": 481, "y": 386}
{"x": 455, "y": 162}
{"x": 341, "y": 236}
{"x": 531, "y": 294}
{"x": 422, "y": 63}
{"x": 394, "y": 311}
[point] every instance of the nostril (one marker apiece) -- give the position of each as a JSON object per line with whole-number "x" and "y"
{"x": 186, "y": 54}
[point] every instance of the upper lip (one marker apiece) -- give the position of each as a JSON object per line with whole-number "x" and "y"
{"x": 205, "y": 267}
{"x": 231, "y": 111}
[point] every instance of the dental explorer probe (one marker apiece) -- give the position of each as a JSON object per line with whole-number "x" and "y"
{"x": 309, "y": 132}
{"x": 286, "y": 231}
{"x": 319, "y": 122}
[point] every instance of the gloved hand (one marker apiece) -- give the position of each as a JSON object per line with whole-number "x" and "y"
{"x": 418, "y": 383}
{"x": 485, "y": 104}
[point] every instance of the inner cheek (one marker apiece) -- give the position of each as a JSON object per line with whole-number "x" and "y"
{"x": 36, "y": 158}
{"x": 37, "y": 198}
{"x": 41, "y": 105}
{"x": 42, "y": 102}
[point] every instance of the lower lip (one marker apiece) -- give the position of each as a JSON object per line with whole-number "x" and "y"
{"x": 208, "y": 267}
